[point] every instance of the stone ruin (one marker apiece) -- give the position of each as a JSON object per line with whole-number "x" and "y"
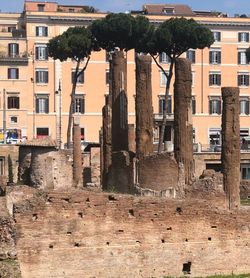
{"x": 98, "y": 234}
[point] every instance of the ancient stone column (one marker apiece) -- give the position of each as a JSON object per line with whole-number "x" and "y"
{"x": 118, "y": 71}
{"x": 131, "y": 138}
{"x": 107, "y": 141}
{"x": 183, "y": 128}
{"x": 77, "y": 156}
{"x": 230, "y": 156}
{"x": 143, "y": 106}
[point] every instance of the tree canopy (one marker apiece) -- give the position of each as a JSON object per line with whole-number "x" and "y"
{"x": 75, "y": 43}
{"x": 176, "y": 35}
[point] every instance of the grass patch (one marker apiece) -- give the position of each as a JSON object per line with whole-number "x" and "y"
{"x": 9, "y": 269}
{"x": 245, "y": 202}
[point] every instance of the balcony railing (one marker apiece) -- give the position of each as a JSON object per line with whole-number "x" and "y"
{"x": 159, "y": 116}
{"x": 13, "y": 59}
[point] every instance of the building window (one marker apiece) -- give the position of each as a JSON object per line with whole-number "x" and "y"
{"x": 107, "y": 77}
{"x": 42, "y": 104}
{"x": 11, "y": 29}
{"x": 42, "y": 132}
{"x": 245, "y": 171}
{"x": 217, "y": 36}
{"x": 164, "y": 58}
{"x": 243, "y": 37}
{"x": 243, "y": 79}
{"x": 40, "y": 7}
{"x": 13, "y": 73}
{"x": 244, "y": 105}
{"x": 162, "y": 103}
{"x": 214, "y": 136}
{"x": 41, "y": 31}
{"x": 244, "y": 132}
{"x": 214, "y": 56}
{"x": 13, "y": 119}
{"x": 79, "y": 105}
{"x": 214, "y": 79}
{"x": 214, "y": 105}
{"x": 13, "y": 102}
{"x": 82, "y": 134}
{"x": 42, "y": 76}
{"x": 191, "y": 56}
{"x": 13, "y": 50}
{"x": 163, "y": 79}
{"x": 41, "y": 52}
{"x": 80, "y": 78}
{"x": 168, "y": 10}
{"x": 193, "y": 105}
{"x": 242, "y": 58}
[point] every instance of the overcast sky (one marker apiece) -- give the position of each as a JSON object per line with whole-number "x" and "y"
{"x": 227, "y": 6}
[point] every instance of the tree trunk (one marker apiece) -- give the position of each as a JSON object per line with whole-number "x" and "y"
{"x": 164, "y": 120}
{"x": 73, "y": 92}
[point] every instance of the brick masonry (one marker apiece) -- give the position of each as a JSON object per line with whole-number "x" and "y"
{"x": 87, "y": 234}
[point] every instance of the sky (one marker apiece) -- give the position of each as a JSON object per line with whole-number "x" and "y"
{"x": 230, "y": 7}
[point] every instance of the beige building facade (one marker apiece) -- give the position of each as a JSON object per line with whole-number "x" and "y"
{"x": 33, "y": 106}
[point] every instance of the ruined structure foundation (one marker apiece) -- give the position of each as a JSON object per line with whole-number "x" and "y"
{"x": 86, "y": 234}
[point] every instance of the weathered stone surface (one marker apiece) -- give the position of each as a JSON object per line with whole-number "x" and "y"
{"x": 143, "y": 106}
{"x": 230, "y": 155}
{"x": 77, "y": 156}
{"x": 158, "y": 172}
{"x": 131, "y": 138}
{"x": 86, "y": 234}
{"x": 121, "y": 175}
{"x": 51, "y": 169}
{"x": 183, "y": 128}
{"x": 118, "y": 70}
{"x": 107, "y": 142}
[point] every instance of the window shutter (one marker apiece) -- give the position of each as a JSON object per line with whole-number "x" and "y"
{"x": 46, "y": 53}
{"x": 219, "y": 106}
{"x": 219, "y": 36}
{"x": 9, "y": 49}
{"x": 37, "y": 31}
{"x": 169, "y": 108}
{"x": 17, "y": 103}
{"x": 160, "y": 58}
{"x": 239, "y": 58}
{"x": 247, "y": 107}
{"x": 46, "y": 77}
{"x": 46, "y": 31}
{"x": 247, "y": 37}
{"x": 47, "y": 105}
{"x": 210, "y": 106}
{"x": 219, "y": 57}
{"x": 239, "y": 37}
{"x": 239, "y": 80}
{"x": 17, "y": 73}
{"x": 72, "y": 76}
{"x": 219, "y": 79}
{"x": 247, "y": 80}
{"x": 83, "y": 105}
{"x": 210, "y": 79}
{"x": 193, "y": 57}
{"x": 9, "y": 73}
{"x": 37, "y": 105}
{"x": 193, "y": 106}
{"x": 9, "y": 103}
{"x": 37, "y": 77}
{"x": 37, "y": 53}
{"x": 17, "y": 48}
{"x": 210, "y": 57}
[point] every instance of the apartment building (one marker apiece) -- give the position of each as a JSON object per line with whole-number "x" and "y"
{"x": 32, "y": 105}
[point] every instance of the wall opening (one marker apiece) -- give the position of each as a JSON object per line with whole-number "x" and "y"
{"x": 186, "y": 269}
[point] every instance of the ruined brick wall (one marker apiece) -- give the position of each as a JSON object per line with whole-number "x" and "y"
{"x": 86, "y": 234}
{"x": 158, "y": 172}
{"x": 51, "y": 169}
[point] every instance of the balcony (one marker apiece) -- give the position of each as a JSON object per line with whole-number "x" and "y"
{"x": 13, "y": 59}
{"x": 159, "y": 117}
